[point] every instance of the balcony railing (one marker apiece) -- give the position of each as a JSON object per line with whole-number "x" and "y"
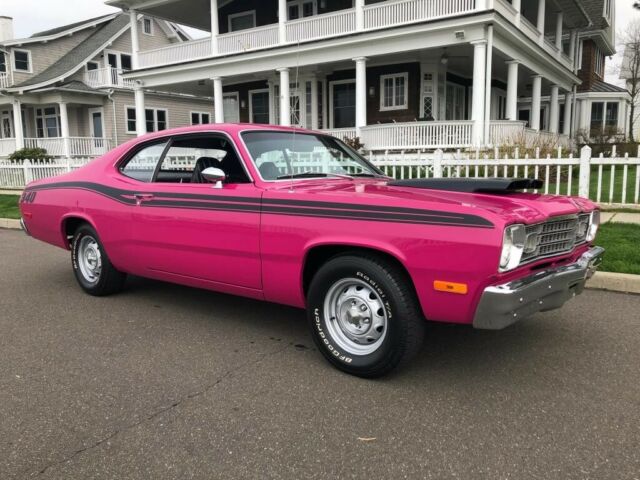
{"x": 4, "y": 80}
{"x": 107, "y": 77}
{"x": 341, "y": 22}
{"x": 78, "y": 146}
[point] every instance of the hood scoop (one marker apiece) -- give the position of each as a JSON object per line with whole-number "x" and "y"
{"x": 472, "y": 185}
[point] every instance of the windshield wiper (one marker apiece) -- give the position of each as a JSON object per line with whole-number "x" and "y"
{"x": 311, "y": 174}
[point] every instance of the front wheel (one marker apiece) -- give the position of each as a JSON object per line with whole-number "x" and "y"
{"x": 91, "y": 266}
{"x": 364, "y": 315}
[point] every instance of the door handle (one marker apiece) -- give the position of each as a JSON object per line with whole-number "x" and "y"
{"x": 141, "y": 197}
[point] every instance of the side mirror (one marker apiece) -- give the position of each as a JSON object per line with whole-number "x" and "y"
{"x": 213, "y": 175}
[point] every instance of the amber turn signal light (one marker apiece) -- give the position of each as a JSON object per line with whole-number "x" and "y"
{"x": 459, "y": 288}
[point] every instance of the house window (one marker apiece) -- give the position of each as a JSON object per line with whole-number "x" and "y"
{"x": 231, "y": 106}
{"x": 611, "y": 117}
{"x": 155, "y": 119}
{"x": 393, "y": 90}
{"x": 302, "y": 8}
{"x": 3, "y": 63}
{"x": 242, "y": 21}
{"x": 47, "y": 122}
{"x": 259, "y": 106}
{"x": 200, "y": 118}
{"x": 455, "y": 101}
{"x": 597, "y": 115}
{"x": 599, "y": 65}
{"x": 561, "y": 118}
{"x": 147, "y": 26}
{"x": 125, "y": 61}
{"x": 92, "y": 66}
{"x": 22, "y": 60}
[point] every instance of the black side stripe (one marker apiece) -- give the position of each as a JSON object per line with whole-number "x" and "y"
{"x": 307, "y": 208}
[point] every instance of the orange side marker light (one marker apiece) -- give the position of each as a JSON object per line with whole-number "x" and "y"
{"x": 450, "y": 287}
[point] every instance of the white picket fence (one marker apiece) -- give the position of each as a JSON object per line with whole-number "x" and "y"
{"x": 611, "y": 180}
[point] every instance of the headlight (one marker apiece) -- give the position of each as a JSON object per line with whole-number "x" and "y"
{"x": 594, "y": 223}
{"x": 513, "y": 243}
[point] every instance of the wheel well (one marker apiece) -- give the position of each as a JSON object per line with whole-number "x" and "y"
{"x": 69, "y": 227}
{"x": 320, "y": 255}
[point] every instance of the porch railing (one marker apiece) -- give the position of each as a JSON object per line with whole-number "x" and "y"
{"x": 78, "y": 146}
{"x": 180, "y": 52}
{"x": 397, "y": 136}
{"x": 321, "y": 26}
{"x": 251, "y": 39}
{"x": 395, "y": 12}
{"x": 107, "y": 77}
{"x": 4, "y": 80}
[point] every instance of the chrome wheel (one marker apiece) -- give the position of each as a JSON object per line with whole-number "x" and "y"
{"x": 356, "y": 317}
{"x": 89, "y": 259}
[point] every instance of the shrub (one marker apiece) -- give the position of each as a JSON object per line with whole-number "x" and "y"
{"x": 30, "y": 154}
{"x": 354, "y": 143}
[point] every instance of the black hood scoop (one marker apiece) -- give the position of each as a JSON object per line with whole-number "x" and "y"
{"x": 472, "y": 185}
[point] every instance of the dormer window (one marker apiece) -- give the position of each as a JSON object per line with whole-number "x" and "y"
{"x": 22, "y": 60}
{"x": 147, "y": 26}
{"x": 3, "y": 63}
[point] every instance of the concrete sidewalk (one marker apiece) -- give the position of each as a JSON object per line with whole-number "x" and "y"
{"x": 615, "y": 217}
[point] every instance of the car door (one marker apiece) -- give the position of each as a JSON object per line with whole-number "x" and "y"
{"x": 202, "y": 231}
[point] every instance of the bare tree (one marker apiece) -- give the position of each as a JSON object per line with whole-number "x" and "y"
{"x": 630, "y": 69}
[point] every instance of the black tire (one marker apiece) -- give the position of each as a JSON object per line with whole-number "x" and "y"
{"x": 391, "y": 286}
{"x": 108, "y": 280}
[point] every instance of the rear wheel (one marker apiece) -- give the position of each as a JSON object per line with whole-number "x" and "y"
{"x": 91, "y": 266}
{"x": 364, "y": 315}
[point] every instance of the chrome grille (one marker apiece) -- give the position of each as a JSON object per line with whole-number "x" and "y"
{"x": 554, "y": 237}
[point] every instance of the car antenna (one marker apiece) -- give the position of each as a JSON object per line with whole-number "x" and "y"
{"x": 293, "y": 141}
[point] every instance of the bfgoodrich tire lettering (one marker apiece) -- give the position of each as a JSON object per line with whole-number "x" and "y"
{"x": 373, "y": 293}
{"x": 91, "y": 265}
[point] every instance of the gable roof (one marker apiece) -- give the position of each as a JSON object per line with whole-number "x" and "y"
{"x": 76, "y": 57}
{"x": 54, "y": 33}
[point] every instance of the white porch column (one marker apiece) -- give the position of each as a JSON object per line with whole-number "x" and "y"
{"x": 285, "y": 98}
{"x": 218, "y": 100}
{"x": 536, "y": 102}
{"x": 479, "y": 85}
{"x": 141, "y": 123}
{"x": 572, "y": 47}
{"x": 135, "y": 38}
{"x": 568, "y": 100}
{"x": 314, "y": 103}
{"x": 17, "y": 124}
{"x": 559, "y": 22}
{"x": 215, "y": 27}
{"x": 325, "y": 104}
{"x": 554, "y": 110}
{"x": 282, "y": 20}
{"x": 359, "y": 4}
{"x": 272, "y": 111}
{"x": 542, "y": 6}
{"x": 64, "y": 129}
{"x": 512, "y": 90}
{"x": 517, "y": 6}
{"x": 361, "y": 93}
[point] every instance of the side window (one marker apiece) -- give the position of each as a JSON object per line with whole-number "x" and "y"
{"x": 187, "y": 158}
{"x": 143, "y": 164}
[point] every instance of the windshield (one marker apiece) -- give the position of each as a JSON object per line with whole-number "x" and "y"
{"x": 284, "y": 155}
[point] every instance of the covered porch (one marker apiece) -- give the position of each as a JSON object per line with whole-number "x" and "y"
{"x": 418, "y": 99}
{"x": 63, "y": 123}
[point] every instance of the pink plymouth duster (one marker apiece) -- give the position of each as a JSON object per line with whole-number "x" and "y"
{"x": 299, "y": 218}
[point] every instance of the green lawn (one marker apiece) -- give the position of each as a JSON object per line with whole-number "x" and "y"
{"x": 9, "y": 206}
{"x": 622, "y": 244}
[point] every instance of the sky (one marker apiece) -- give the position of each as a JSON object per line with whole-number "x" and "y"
{"x": 31, "y": 16}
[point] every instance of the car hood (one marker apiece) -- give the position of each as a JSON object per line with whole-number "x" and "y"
{"x": 506, "y": 208}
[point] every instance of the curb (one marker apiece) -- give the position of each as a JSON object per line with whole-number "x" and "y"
{"x": 10, "y": 224}
{"x": 615, "y": 282}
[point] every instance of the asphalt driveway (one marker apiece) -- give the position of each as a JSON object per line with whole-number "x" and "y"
{"x": 169, "y": 382}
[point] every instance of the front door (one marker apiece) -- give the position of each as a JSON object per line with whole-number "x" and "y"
{"x": 97, "y": 129}
{"x": 6, "y": 125}
{"x": 259, "y": 106}
{"x": 344, "y": 105}
{"x": 187, "y": 229}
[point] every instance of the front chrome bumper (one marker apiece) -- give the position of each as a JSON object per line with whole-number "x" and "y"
{"x": 503, "y": 305}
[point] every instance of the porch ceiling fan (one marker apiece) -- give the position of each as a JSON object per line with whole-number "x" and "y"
{"x": 444, "y": 59}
